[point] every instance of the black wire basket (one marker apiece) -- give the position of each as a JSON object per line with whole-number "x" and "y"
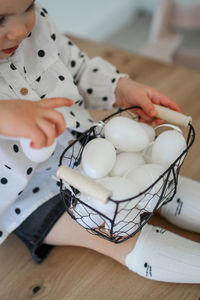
{"x": 129, "y": 215}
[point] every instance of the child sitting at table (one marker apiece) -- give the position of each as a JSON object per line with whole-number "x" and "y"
{"x": 39, "y": 67}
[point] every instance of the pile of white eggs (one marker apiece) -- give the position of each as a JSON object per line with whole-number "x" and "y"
{"x": 127, "y": 160}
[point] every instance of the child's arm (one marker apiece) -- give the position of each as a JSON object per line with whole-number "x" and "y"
{"x": 36, "y": 120}
{"x": 129, "y": 92}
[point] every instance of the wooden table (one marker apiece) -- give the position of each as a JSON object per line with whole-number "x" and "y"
{"x": 72, "y": 273}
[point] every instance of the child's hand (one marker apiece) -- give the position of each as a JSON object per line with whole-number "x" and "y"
{"x": 35, "y": 120}
{"x": 129, "y": 92}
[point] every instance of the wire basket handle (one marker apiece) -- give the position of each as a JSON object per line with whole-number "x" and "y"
{"x": 172, "y": 116}
{"x": 83, "y": 183}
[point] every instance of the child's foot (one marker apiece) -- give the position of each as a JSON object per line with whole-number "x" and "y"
{"x": 164, "y": 256}
{"x": 184, "y": 210}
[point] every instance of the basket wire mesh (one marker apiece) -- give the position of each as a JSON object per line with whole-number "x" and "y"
{"x": 131, "y": 214}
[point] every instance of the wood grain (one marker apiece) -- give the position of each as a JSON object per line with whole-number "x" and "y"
{"x": 73, "y": 273}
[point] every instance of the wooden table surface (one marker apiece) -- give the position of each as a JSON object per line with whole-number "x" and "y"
{"x": 81, "y": 274}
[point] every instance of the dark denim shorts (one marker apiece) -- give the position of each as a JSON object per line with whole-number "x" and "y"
{"x": 35, "y": 228}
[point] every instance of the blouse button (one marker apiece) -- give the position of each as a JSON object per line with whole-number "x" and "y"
{"x": 24, "y": 91}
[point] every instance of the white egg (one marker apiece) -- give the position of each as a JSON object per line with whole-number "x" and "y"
{"x": 143, "y": 177}
{"x": 126, "y": 134}
{"x": 168, "y": 147}
{"x": 106, "y": 209}
{"x": 122, "y": 189}
{"x": 98, "y": 158}
{"x": 149, "y": 130}
{"x": 147, "y": 153}
{"x": 125, "y": 223}
{"x": 86, "y": 217}
{"x": 125, "y": 161}
{"x": 37, "y": 155}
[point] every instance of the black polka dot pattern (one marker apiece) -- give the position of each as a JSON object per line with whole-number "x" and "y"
{"x": 25, "y": 70}
{"x": 7, "y": 167}
{"x": 36, "y": 190}
{"x": 38, "y": 79}
{"x": 42, "y": 14}
{"x": 105, "y": 98}
{"x": 70, "y": 43}
{"x": 95, "y": 70}
{"x": 29, "y": 171}
{"x": 62, "y": 78}
{"x": 29, "y": 34}
{"x": 12, "y": 66}
{"x": 89, "y": 91}
{"x": 20, "y": 193}
{"x": 1, "y": 233}
{"x": 77, "y": 124}
{"x": 53, "y": 36}
{"x": 73, "y": 63}
{"x": 72, "y": 113}
{"x": 4, "y": 180}
{"x": 113, "y": 80}
{"x": 17, "y": 211}
{"x": 44, "y": 10}
{"x": 41, "y": 53}
{"x": 43, "y": 96}
{"x": 15, "y": 148}
{"x": 79, "y": 102}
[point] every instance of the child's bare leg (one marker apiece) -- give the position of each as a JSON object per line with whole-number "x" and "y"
{"x": 154, "y": 253}
{"x": 67, "y": 232}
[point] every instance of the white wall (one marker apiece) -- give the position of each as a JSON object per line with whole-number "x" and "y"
{"x": 150, "y": 5}
{"x": 97, "y": 19}
{"x": 92, "y": 19}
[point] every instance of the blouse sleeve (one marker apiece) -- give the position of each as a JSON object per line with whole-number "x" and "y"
{"x": 96, "y": 79}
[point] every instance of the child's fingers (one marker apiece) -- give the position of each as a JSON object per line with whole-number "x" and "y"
{"x": 159, "y": 121}
{"x": 49, "y": 131}
{"x": 160, "y": 99}
{"x": 57, "y": 119}
{"x": 38, "y": 139}
{"x": 51, "y": 123}
{"x": 56, "y": 102}
{"x": 144, "y": 117}
{"x": 147, "y": 106}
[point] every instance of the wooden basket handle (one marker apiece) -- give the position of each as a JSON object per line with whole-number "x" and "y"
{"x": 83, "y": 183}
{"x": 172, "y": 116}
